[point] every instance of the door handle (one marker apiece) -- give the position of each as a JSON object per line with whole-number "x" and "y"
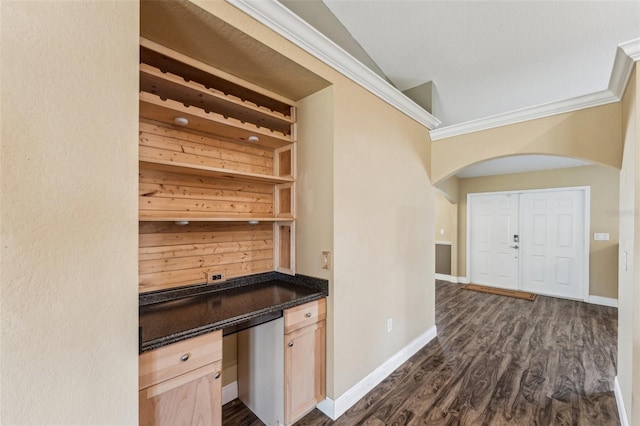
{"x": 515, "y": 247}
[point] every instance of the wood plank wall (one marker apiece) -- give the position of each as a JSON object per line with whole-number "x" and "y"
{"x": 170, "y": 194}
{"x": 171, "y": 255}
{"x": 163, "y": 143}
{"x": 184, "y": 196}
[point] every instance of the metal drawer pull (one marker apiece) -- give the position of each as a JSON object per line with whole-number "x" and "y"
{"x": 290, "y": 344}
{"x": 185, "y": 357}
{"x": 308, "y": 315}
{"x": 217, "y": 375}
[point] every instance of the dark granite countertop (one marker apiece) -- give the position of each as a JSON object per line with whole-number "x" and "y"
{"x": 170, "y": 316}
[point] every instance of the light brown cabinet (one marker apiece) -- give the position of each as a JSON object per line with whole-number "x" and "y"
{"x": 304, "y": 358}
{"x": 281, "y": 364}
{"x": 180, "y": 384}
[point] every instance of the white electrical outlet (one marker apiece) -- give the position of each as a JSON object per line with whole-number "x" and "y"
{"x": 389, "y": 325}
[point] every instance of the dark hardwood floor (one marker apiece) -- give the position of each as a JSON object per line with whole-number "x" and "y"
{"x": 496, "y": 361}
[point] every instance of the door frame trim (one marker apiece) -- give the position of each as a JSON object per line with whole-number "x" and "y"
{"x": 586, "y": 191}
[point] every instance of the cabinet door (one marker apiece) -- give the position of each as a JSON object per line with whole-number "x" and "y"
{"x": 194, "y": 398}
{"x": 304, "y": 362}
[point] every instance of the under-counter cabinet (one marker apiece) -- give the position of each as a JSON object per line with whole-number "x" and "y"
{"x": 304, "y": 358}
{"x": 281, "y": 393}
{"x": 180, "y": 384}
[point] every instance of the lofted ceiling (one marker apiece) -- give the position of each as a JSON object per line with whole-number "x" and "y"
{"x": 492, "y": 57}
{"x": 483, "y": 58}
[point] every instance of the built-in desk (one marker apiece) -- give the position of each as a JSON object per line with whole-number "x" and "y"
{"x": 170, "y": 316}
{"x": 171, "y": 322}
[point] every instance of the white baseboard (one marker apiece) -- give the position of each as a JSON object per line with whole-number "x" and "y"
{"x": 335, "y": 409}
{"x": 327, "y": 406}
{"x": 449, "y": 278}
{"x": 229, "y": 392}
{"x": 620, "y": 403}
{"x": 604, "y": 301}
{"x": 452, "y": 279}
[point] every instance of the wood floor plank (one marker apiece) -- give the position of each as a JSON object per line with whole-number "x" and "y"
{"x": 496, "y": 361}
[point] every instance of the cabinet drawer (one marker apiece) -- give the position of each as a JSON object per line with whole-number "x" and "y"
{"x": 170, "y": 361}
{"x": 304, "y": 315}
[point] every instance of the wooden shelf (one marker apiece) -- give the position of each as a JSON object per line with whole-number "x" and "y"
{"x": 171, "y": 86}
{"x": 176, "y": 63}
{"x": 152, "y": 107}
{"x": 194, "y": 169}
{"x": 208, "y": 173}
{"x": 173, "y": 216}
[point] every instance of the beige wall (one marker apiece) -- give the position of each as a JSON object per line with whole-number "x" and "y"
{"x": 314, "y": 195}
{"x": 603, "y": 255}
{"x": 592, "y": 134}
{"x": 449, "y": 188}
{"x": 383, "y": 234}
{"x": 68, "y": 258}
{"x": 446, "y": 218}
{"x": 447, "y": 221}
{"x": 629, "y": 280}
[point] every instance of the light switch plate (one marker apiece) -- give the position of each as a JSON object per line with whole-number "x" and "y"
{"x": 601, "y": 236}
{"x": 326, "y": 260}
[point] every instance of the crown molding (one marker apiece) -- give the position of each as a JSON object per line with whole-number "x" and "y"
{"x": 631, "y": 48}
{"x": 525, "y": 114}
{"x": 286, "y": 23}
{"x": 626, "y": 55}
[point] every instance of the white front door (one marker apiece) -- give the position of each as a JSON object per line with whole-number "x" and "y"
{"x": 552, "y": 243}
{"x": 532, "y": 241}
{"x": 493, "y": 224}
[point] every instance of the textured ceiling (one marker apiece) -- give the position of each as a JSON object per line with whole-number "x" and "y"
{"x": 492, "y": 57}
